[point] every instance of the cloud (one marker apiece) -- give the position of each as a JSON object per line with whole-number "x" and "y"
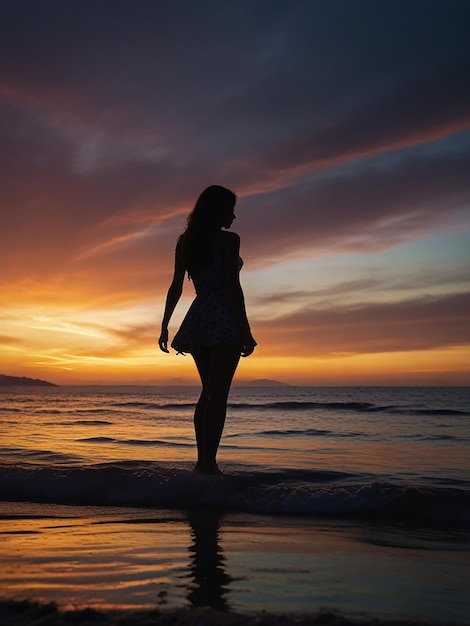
{"x": 126, "y": 342}
{"x": 424, "y": 109}
{"x": 370, "y": 208}
{"x": 340, "y": 128}
{"x": 291, "y": 84}
{"x": 409, "y": 325}
{"x": 373, "y": 283}
{"x": 86, "y": 224}
{"x": 7, "y": 340}
{"x": 103, "y": 141}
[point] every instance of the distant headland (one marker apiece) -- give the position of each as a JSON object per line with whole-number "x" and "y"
{"x": 22, "y": 381}
{"x": 263, "y": 382}
{"x": 185, "y": 382}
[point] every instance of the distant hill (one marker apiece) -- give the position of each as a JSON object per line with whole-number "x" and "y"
{"x": 260, "y": 382}
{"x": 263, "y": 382}
{"x": 22, "y": 381}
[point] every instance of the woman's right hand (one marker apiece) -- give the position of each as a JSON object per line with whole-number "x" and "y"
{"x": 249, "y": 344}
{"x": 163, "y": 341}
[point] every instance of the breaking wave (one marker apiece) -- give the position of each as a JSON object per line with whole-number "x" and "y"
{"x": 282, "y": 492}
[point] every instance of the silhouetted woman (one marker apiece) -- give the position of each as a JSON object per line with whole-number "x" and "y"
{"x": 215, "y": 330}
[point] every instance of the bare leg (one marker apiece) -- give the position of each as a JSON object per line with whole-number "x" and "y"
{"x": 202, "y": 360}
{"x": 216, "y": 366}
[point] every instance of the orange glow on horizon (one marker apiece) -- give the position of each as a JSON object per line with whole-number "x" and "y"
{"x": 149, "y": 366}
{"x": 66, "y": 334}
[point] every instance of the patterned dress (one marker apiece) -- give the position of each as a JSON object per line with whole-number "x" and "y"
{"x": 210, "y": 319}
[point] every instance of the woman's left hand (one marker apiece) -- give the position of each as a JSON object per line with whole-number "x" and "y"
{"x": 248, "y": 346}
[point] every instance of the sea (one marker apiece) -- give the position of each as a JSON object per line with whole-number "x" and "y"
{"x": 354, "y": 499}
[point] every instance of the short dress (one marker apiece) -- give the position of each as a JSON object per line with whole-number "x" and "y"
{"x": 210, "y": 320}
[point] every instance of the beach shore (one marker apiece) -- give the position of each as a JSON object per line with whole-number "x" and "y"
{"x": 64, "y": 565}
{"x": 354, "y": 508}
{"x": 27, "y": 613}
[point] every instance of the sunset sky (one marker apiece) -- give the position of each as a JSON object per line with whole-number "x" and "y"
{"x": 342, "y": 125}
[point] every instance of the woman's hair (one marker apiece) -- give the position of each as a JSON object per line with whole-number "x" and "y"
{"x": 196, "y": 244}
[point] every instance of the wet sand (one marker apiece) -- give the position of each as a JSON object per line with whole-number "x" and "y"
{"x": 35, "y": 614}
{"x": 141, "y": 566}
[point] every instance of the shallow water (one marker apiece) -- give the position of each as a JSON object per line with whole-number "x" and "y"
{"x": 350, "y": 499}
{"x": 286, "y": 450}
{"x": 112, "y": 557}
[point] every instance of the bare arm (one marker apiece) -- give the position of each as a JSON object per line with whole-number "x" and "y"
{"x": 172, "y": 298}
{"x": 235, "y": 292}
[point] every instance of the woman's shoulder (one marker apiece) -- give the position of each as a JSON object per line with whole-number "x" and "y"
{"x": 229, "y": 239}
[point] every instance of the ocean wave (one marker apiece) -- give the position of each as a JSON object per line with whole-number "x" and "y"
{"x": 425, "y": 437}
{"x": 39, "y": 456}
{"x": 134, "y": 442}
{"x": 301, "y": 432}
{"x": 155, "y": 405}
{"x": 83, "y": 423}
{"x": 284, "y": 492}
{"x": 65, "y": 411}
{"x": 357, "y": 407}
{"x": 282, "y": 406}
{"x": 438, "y": 412}
{"x": 305, "y": 406}
{"x": 73, "y": 411}
{"x": 297, "y": 432}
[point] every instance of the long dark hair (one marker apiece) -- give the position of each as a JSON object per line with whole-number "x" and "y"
{"x": 196, "y": 244}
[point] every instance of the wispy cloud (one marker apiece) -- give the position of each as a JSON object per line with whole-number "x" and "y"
{"x": 420, "y": 324}
{"x": 338, "y": 136}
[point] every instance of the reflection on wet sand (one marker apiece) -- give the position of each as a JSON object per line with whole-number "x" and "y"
{"x": 207, "y": 562}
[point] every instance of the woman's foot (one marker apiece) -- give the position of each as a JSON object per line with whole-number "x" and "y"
{"x": 208, "y": 468}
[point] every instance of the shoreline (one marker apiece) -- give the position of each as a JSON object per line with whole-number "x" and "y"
{"x": 129, "y": 566}
{"x": 31, "y": 613}
{"x": 344, "y": 507}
